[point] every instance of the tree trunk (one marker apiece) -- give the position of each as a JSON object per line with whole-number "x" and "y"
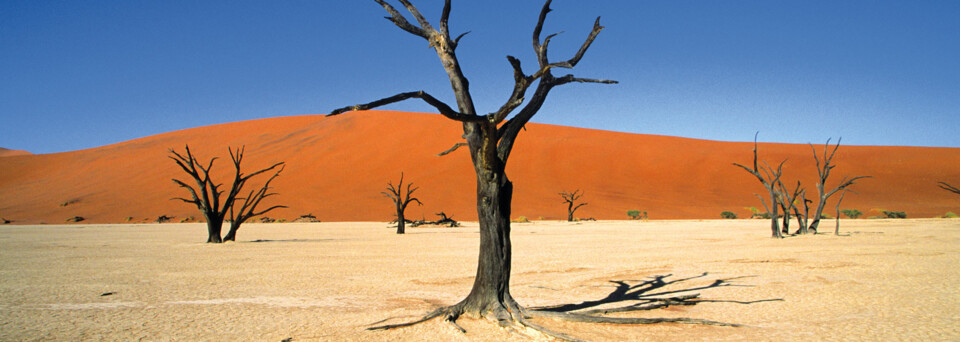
{"x": 214, "y": 227}
{"x": 774, "y": 225}
{"x": 401, "y": 221}
{"x": 232, "y": 233}
{"x": 490, "y": 295}
{"x": 570, "y": 212}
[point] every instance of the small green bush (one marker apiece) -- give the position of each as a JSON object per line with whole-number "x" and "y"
{"x": 950, "y": 214}
{"x": 728, "y": 215}
{"x": 637, "y": 214}
{"x": 895, "y": 214}
{"x": 851, "y": 213}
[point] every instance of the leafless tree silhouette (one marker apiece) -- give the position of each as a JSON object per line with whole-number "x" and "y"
{"x": 769, "y": 178}
{"x": 823, "y": 170}
{"x": 571, "y": 200}
{"x": 401, "y": 199}
{"x": 207, "y": 193}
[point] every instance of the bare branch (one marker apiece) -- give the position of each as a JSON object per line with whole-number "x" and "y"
{"x": 948, "y": 187}
{"x": 429, "y": 99}
{"x": 450, "y": 150}
{"x": 402, "y": 22}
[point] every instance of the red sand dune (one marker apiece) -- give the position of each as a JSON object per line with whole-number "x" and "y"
{"x": 337, "y": 167}
{"x": 8, "y": 152}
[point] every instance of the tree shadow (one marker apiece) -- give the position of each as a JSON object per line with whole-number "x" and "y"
{"x": 293, "y": 240}
{"x": 651, "y": 294}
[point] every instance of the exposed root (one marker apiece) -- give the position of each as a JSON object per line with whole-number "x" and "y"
{"x": 436, "y": 313}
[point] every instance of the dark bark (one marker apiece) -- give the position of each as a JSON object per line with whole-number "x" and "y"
{"x": 206, "y": 196}
{"x": 836, "y": 230}
{"x": 948, "y": 187}
{"x": 823, "y": 170}
{"x": 401, "y": 198}
{"x": 248, "y": 208}
{"x": 571, "y": 200}
{"x": 769, "y": 178}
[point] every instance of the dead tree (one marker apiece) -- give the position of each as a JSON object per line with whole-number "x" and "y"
{"x": 823, "y": 170}
{"x": 948, "y": 187}
{"x": 490, "y": 139}
{"x": 836, "y": 230}
{"x": 788, "y": 203}
{"x": 207, "y": 194}
{"x": 248, "y": 208}
{"x": 570, "y": 199}
{"x": 401, "y": 200}
{"x": 769, "y": 178}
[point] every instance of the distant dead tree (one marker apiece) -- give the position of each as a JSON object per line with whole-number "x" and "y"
{"x": 571, "y": 200}
{"x": 490, "y": 139}
{"x": 769, "y": 178}
{"x": 823, "y": 170}
{"x": 208, "y": 196}
{"x": 836, "y": 230}
{"x": 401, "y": 198}
{"x": 948, "y": 187}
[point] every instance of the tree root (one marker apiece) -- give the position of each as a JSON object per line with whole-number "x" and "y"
{"x": 518, "y": 317}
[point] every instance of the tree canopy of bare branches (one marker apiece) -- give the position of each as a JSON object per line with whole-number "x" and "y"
{"x": 401, "y": 198}
{"x": 571, "y": 198}
{"x": 490, "y": 139}
{"x": 824, "y": 167}
{"x": 769, "y": 178}
{"x": 208, "y": 196}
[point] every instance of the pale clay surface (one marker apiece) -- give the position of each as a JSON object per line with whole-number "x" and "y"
{"x": 888, "y": 280}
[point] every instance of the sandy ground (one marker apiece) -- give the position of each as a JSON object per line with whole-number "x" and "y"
{"x": 887, "y": 280}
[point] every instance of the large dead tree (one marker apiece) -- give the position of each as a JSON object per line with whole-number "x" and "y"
{"x": 208, "y": 196}
{"x": 401, "y": 198}
{"x": 824, "y": 167}
{"x": 571, "y": 200}
{"x": 490, "y": 139}
{"x": 769, "y": 178}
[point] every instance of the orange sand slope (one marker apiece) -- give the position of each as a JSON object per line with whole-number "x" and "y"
{"x": 4, "y": 152}
{"x": 337, "y": 167}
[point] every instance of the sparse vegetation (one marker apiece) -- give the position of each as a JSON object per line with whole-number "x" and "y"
{"x": 70, "y": 202}
{"x": 637, "y": 214}
{"x": 521, "y": 219}
{"x": 308, "y": 218}
{"x": 852, "y": 213}
{"x": 895, "y": 214}
{"x": 951, "y": 215}
{"x": 4, "y": 221}
{"x": 76, "y": 219}
{"x": 164, "y": 219}
{"x": 728, "y": 215}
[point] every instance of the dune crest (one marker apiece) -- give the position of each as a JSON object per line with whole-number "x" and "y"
{"x": 5, "y": 152}
{"x": 337, "y": 167}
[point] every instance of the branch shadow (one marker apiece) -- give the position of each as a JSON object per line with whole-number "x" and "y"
{"x": 292, "y": 240}
{"x": 652, "y": 294}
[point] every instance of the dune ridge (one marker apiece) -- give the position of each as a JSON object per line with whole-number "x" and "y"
{"x": 337, "y": 166}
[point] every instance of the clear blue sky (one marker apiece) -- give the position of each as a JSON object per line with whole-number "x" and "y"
{"x": 82, "y": 74}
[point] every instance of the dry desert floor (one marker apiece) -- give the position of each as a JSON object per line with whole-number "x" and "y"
{"x": 886, "y": 280}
